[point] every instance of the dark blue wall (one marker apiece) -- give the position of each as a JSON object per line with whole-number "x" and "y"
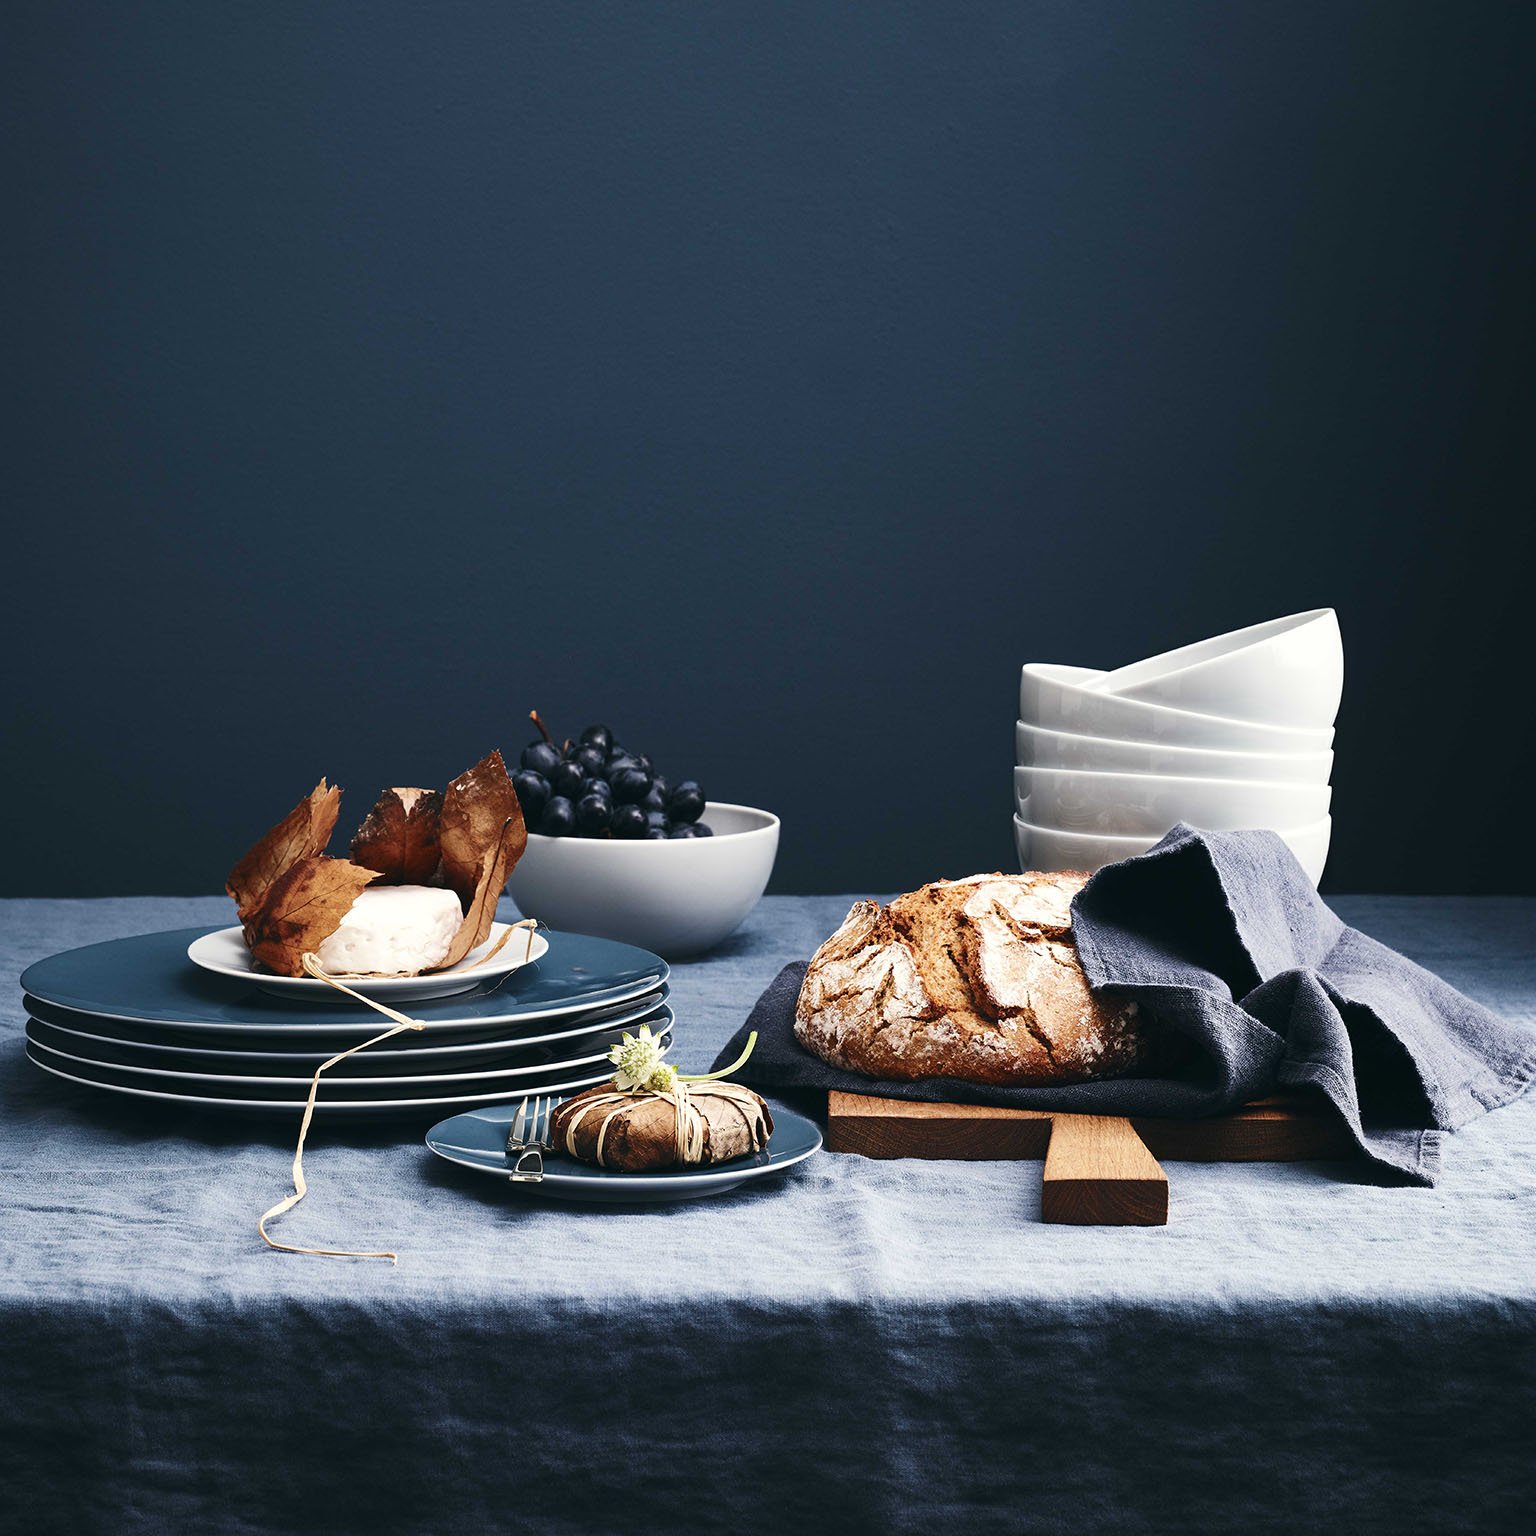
{"x": 767, "y": 379}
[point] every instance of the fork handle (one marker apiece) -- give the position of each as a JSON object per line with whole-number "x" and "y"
{"x": 529, "y": 1167}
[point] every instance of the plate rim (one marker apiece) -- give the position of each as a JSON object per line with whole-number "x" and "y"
{"x": 227, "y": 1077}
{"x": 643, "y": 1183}
{"x": 636, "y": 1015}
{"x": 383, "y": 986}
{"x": 362, "y": 1028}
{"x": 291, "y": 1106}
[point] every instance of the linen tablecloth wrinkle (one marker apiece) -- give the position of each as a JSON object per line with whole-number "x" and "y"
{"x": 868, "y": 1345}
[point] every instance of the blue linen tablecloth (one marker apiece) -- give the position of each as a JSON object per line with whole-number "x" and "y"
{"x": 884, "y": 1345}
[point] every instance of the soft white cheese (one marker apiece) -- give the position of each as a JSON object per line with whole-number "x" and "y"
{"x": 393, "y": 930}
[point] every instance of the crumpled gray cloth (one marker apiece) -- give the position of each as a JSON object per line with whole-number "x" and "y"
{"x": 1255, "y": 985}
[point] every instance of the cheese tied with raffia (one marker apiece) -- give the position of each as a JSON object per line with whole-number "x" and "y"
{"x": 393, "y": 930}
{"x": 707, "y": 1123}
{"x": 974, "y": 979}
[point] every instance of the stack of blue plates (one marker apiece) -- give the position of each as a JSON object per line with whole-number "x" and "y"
{"x": 139, "y": 1016}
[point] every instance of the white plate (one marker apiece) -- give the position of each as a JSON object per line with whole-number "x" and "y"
{"x": 224, "y": 953}
{"x": 604, "y": 1020}
{"x": 322, "y": 1106}
{"x": 169, "y": 1077}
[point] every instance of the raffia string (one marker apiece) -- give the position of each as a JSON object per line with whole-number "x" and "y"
{"x": 300, "y": 1188}
{"x": 471, "y": 961}
{"x": 688, "y": 1120}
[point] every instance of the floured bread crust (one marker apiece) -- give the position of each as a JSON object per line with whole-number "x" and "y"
{"x": 975, "y": 979}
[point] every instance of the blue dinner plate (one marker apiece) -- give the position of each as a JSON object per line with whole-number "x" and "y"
{"x": 478, "y": 1140}
{"x": 148, "y": 979}
{"x": 441, "y": 1043}
{"x": 562, "y": 1060}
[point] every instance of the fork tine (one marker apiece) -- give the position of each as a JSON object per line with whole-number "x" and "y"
{"x": 519, "y": 1120}
{"x": 546, "y": 1112}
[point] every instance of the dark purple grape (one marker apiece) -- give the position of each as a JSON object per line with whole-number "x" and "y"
{"x": 532, "y": 793}
{"x": 617, "y": 762}
{"x": 630, "y": 786}
{"x": 628, "y": 821}
{"x": 540, "y": 757}
{"x": 598, "y": 736}
{"x": 656, "y": 819}
{"x": 600, "y": 786}
{"x": 569, "y": 779}
{"x": 593, "y": 814}
{"x": 559, "y": 817}
{"x": 590, "y": 760}
{"x": 686, "y": 802}
{"x": 662, "y": 784}
{"x": 654, "y": 800}
{"x": 683, "y": 829}
{"x": 646, "y": 764}
{"x": 654, "y": 834}
{"x": 703, "y": 829}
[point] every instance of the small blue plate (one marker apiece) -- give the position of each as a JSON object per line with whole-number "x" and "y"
{"x": 478, "y": 1140}
{"x": 149, "y": 980}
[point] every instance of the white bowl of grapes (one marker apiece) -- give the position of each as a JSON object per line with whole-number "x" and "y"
{"x": 619, "y": 849}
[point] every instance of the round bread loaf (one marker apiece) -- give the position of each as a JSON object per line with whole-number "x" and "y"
{"x": 975, "y": 979}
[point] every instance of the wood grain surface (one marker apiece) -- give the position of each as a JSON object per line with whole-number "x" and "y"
{"x": 1284, "y": 1129}
{"x": 1099, "y": 1169}
{"x": 1098, "y": 1172}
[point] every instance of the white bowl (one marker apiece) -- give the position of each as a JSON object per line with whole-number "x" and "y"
{"x": 1287, "y": 672}
{"x": 1040, "y": 748}
{"x": 1050, "y": 848}
{"x": 1062, "y": 698}
{"x": 677, "y": 897}
{"x": 1133, "y": 804}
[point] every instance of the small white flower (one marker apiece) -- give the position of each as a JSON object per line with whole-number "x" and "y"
{"x": 638, "y": 1060}
{"x": 663, "y": 1079}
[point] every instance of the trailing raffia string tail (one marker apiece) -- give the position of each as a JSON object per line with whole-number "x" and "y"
{"x": 300, "y": 1188}
{"x": 528, "y": 923}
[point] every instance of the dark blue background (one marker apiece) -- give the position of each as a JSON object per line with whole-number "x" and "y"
{"x": 769, "y": 380}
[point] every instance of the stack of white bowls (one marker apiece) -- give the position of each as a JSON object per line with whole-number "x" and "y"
{"x": 1228, "y": 733}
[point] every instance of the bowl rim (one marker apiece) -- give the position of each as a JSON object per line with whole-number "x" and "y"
{"x": 1083, "y": 686}
{"x": 1296, "y": 785}
{"x": 1153, "y": 746}
{"x": 1135, "y": 837}
{"x": 769, "y": 826}
{"x": 1183, "y": 659}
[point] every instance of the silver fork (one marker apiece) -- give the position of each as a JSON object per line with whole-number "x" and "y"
{"x": 529, "y": 1138}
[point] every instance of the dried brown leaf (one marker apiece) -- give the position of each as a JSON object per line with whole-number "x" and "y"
{"x": 495, "y": 866}
{"x": 302, "y": 908}
{"x": 302, "y": 834}
{"x": 399, "y": 836}
{"x": 480, "y": 816}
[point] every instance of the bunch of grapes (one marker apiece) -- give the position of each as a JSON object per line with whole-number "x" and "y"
{"x": 593, "y": 787}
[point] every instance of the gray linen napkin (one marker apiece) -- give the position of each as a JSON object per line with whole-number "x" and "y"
{"x": 1258, "y": 986}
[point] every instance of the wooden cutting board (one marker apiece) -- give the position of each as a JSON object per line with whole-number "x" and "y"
{"x": 1100, "y": 1170}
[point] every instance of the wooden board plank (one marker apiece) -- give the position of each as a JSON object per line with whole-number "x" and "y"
{"x": 901, "y": 1128}
{"x": 1099, "y": 1173}
{"x": 1280, "y": 1129}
